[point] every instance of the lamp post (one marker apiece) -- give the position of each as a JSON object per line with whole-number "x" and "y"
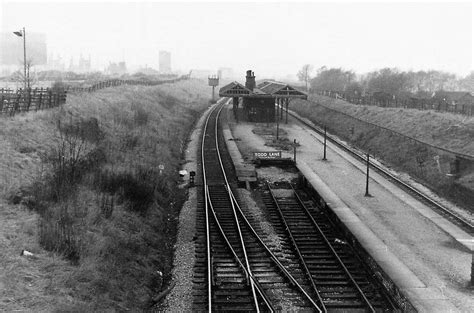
{"x": 22, "y": 33}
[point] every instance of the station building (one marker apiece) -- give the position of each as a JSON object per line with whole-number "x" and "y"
{"x": 258, "y": 101}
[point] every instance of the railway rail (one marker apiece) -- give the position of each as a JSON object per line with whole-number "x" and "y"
{"x": 338, "y": 277}
{"x": 234, "y": 268}
{"x": 454, "y": 217}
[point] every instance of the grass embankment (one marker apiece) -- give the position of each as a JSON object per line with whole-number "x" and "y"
{"x": 429, "y": 165}
{"x": 81, "y": 188}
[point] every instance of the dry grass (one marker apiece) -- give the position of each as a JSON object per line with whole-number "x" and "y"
{"x": 429, "y": 165}
{"x": 120, "y": 242}
{"x": 448, "y": 130}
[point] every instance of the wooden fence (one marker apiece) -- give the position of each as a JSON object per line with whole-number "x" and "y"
{"x": 120, "y": 82}
{"x": 15, "y": 101}
{"x": 412, "y": 103}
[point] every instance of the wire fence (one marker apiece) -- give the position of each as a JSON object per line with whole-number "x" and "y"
{"x": 465, "y": 107}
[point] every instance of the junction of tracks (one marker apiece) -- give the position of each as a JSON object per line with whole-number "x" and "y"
{"x": 304, "y": 238}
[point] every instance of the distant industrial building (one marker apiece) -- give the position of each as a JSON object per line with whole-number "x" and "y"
{"x": 165, "y": 62}
{"x": 119, "y": 68}
{"x": 147, "y": 71}
{"x": 11, "y": 48}
{"x": 56, "y": 63}
{"x": 83, "y": 65}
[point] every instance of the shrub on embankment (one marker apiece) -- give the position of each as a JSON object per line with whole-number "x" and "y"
{"x": 425, "y": 163}
{"x": 91, "y": 171}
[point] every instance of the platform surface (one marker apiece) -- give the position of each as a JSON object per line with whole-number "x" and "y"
{"x": 430, "y": 263}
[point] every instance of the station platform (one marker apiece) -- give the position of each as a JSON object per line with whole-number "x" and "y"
{"x": 427, "y": 257}
{"x": 245, "y": 172}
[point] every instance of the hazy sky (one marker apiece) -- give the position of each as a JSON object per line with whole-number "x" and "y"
{"x": 273, "y": 38}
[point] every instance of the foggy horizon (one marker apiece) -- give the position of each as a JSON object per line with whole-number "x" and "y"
{"x": 272, "y": 39}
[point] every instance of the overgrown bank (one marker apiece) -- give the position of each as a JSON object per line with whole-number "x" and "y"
{"x": 98, "y": 179}
{"x": 434, "y": 167}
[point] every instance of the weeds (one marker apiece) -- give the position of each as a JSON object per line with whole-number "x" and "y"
{"x": 57, "y": 233}
{"x": 107, "y": 206}
{"x": 75, "y": 154}
{"x": 101, "y": 200}
{"x": 139, "y": 188}
{"x": 140, "y": 116}
{"x": 429, "y": 165}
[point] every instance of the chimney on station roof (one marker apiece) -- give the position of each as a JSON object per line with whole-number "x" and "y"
{"x": 250, "y": 80}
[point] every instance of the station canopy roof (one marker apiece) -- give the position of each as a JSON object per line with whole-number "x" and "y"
{"x": 265, "y": 89}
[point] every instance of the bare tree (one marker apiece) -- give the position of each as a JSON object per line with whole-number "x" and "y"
{"x": 28, "y": 81}
{"x": 304, "y": 75}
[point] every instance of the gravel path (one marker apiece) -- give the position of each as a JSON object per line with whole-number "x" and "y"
{"x": 434, "y": 256}
{"x": 180, "y": 298}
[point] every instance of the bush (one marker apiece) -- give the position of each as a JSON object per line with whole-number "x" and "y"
{"x": 58, "y": 87}
{"x": 75, "y": 154}
{"x": 57, "y": 233}
{"x": 85, "y": 129}
{"x": 140, "y": 116}
{"x": 136, "y": 188}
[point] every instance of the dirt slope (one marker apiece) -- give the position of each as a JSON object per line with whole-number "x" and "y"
{"x": 451, "y": 131}
{"x": 440, "y": 170}
{"x": 118, "y": 252}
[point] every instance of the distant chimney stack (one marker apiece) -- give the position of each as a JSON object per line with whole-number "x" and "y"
{"x": 250, "y": 80}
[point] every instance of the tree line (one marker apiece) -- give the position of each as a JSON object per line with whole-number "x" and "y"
{"x": 388, "y": 80}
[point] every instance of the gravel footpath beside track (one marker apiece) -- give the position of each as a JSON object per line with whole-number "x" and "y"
{"x": 180, "y": 299}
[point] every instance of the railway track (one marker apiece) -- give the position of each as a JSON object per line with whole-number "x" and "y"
{"x": 235, "y": 270}
{"x": 337, "y": 276}
{"x": 452, "y": 216}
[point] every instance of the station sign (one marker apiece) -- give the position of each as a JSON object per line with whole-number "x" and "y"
{"x": 267, "y": 155}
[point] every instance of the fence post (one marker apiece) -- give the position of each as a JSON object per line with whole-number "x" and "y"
{"x": 50, "y": 96}
{"x": 26, "y": 106}
{"x": 38, "y": 105}
{"x": 16, "y": 104}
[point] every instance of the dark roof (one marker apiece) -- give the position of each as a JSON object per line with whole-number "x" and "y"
{"x": 233, "y": 89}
{"x": 264, "y": 89}
{"x": 270, "y": 87}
